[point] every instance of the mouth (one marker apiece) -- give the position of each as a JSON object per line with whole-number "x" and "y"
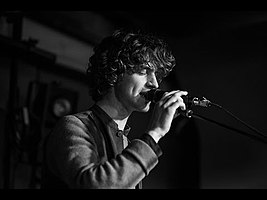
{"x": 143, "y": 94}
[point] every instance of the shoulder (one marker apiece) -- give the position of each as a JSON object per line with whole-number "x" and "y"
{"x": 77, "y": 119}
{"x": 74, "y": 124}
{"x": 81, "y": 125}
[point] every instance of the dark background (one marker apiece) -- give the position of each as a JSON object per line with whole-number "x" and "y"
{"x": 221, "y": 55}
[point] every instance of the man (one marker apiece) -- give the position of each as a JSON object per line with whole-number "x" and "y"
{"x": 90, "y": 149}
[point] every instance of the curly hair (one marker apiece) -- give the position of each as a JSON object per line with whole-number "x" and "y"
{"x": 126, "y": 52}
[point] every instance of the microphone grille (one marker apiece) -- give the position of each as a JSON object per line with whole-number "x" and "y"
{"x": 154, "y": 95}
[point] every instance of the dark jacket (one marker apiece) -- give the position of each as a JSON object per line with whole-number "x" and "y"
{"x": 85, "y": 151}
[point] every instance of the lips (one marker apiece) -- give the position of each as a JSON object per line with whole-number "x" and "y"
{"x": 142, "y": 94}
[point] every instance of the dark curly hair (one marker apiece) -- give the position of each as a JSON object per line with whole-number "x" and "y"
{"x": 126, "y": 52}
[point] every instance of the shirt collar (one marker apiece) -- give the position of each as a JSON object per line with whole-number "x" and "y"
{"x": 109, "y": 121}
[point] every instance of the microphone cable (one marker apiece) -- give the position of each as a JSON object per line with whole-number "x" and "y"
{"x": 236, "y": 118}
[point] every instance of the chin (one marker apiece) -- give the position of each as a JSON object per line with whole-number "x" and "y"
{"x": 146, "y": 107}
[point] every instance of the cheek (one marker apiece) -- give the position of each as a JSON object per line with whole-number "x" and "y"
{"x": 123, "y": 90}
{"x": 138, "y": 83}
{"x": 136, "y": 89}
{"x": 133, "y": 84}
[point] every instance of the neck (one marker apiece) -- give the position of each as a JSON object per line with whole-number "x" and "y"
{"x": 115, "y": 111}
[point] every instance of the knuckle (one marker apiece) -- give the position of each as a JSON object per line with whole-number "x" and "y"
{"x": 164, "y": 106}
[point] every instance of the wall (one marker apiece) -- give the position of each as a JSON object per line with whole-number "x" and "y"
{"x": 228, "y": 67}
{"x": 70, "y": 53}
{"x": 26, "y": 74}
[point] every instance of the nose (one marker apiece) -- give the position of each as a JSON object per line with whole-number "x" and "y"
{"x": 152, "y": 81}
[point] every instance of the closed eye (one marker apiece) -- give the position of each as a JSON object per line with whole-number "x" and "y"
{"x": 145, "y": 71}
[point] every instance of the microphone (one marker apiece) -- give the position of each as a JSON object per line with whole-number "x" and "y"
{"x": 155, "y": 95}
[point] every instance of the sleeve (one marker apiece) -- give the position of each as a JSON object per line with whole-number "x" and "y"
{"x": 73, "y": 156}
{"x": 151, "y": 142}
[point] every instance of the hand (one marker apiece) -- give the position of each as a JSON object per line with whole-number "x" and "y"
{"x": 164, "y": 113}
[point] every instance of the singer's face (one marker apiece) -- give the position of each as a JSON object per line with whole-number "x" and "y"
{"x": 128, "y": 90}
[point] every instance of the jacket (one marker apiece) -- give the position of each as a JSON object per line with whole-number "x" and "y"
{"x": 85, "y": 150}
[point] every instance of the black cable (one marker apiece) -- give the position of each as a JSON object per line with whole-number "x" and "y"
{"x": 257, "y": 137}
{"x": 206, "y": 103}
{"x": 238, "y": 119}
{"x": 155, "y": 95}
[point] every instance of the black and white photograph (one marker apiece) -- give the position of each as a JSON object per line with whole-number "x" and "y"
{"x": 145, "y": 99}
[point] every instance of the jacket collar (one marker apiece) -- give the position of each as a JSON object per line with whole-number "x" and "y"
{"x": 109, "y": 121}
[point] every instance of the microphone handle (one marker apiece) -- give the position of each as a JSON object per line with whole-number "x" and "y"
{"x": 156, "y": 94}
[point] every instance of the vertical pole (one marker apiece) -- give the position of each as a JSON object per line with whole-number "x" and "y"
{"x": 15, "y": 18}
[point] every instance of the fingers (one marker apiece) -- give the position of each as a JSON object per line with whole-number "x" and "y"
{"x": 165, "y": 111}
{"x": 168, "y": 94}
{"x": 173, "y": 99}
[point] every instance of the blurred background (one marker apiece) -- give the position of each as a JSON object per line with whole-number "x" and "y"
{"x": 221, "y": 55}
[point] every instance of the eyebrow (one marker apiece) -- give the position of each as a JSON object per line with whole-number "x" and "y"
{"x": 150, "y": 66}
